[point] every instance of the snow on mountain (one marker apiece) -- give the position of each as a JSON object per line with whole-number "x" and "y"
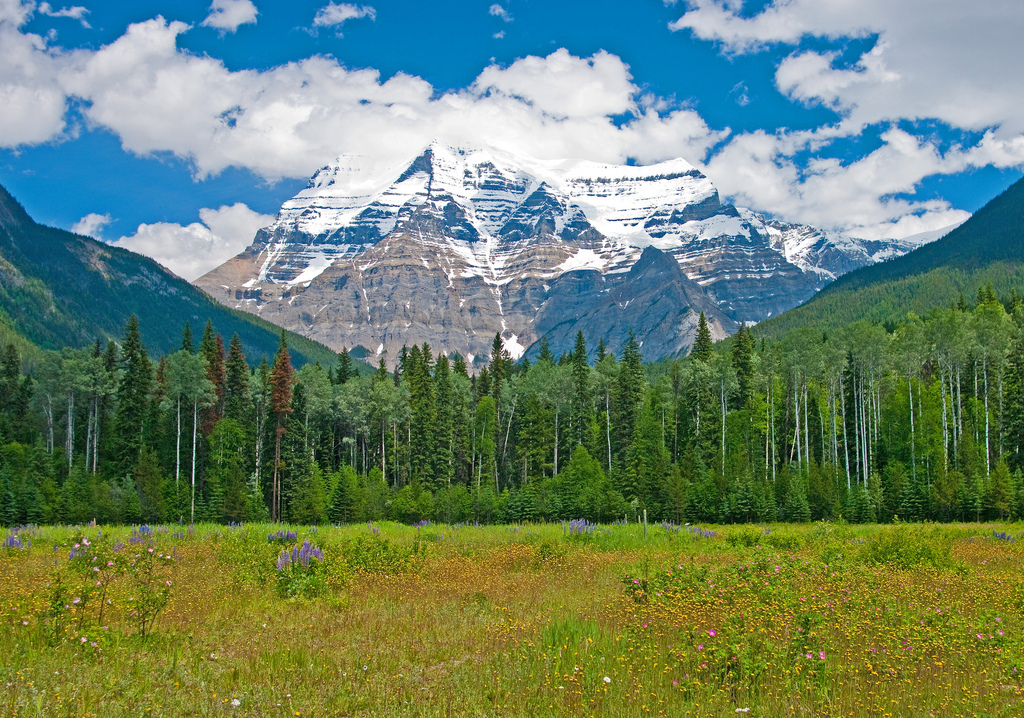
{"x": 480, "y": 220}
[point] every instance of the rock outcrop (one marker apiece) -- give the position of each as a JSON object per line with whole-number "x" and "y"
{"x": 457, "y": 245}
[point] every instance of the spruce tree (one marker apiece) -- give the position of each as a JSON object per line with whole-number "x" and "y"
{"x": 282, "y": 380}
{"x": 343, "y": 372}
{"x": 703, "y": 347}
{"x": 545, "y": 351}
{"x": 187, "y": 342}
{"x": 627, "y": 398}
{"x": 743, "y": 363}
{"x": 581, "y": 409}
{"x": 423, "y": 406}
{"x": 132, "y": 398}
{"x": 444, "y": 434}
{"x": 212, "y": 350}
{"x": 237, "y": 397}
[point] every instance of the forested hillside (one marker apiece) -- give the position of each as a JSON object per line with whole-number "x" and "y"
{"x": 986, "y": 250}
{"x": 60, "y": 289}
{"x": 924, "y": 422}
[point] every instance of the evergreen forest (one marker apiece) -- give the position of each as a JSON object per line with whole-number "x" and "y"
{"x": 917, "y": 420}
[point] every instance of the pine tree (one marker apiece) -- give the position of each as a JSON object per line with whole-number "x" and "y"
{"x": 581, "y": 409}
{"x": 282, "y": 380}
{"x": 343, "y": 372}
{"x": 743, "y": 363}
{"x": 628, "y": 397}
{"x": 132, "y": 398}
{"x": 211, "y": 348}
{"x": 237, "y": 398}
{"x": 703, "y": 347}
{"x": 187, "y": 342}
{"x": 443, "y": 455}
{"x": 545, "y": 351}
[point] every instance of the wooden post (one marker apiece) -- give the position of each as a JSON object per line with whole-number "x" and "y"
{"x": 645, "y": 523}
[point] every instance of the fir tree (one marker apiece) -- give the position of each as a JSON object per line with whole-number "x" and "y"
{"x": 581, "y": 409}
{"x": 743, "y": 363}
{"x": 237, "y": 398}
{"x": 628, "y": 397}
{"x": 132, "y": 398}
{"x": 443, "y": 455}
{"x": 282, "y": 379}
{"x": 545, "y": 354}
{"x": 703, "y": 347}
{"x": 187, "y": 342}
{"x": 343, "y": 372}
{"x": 211, "y": 348}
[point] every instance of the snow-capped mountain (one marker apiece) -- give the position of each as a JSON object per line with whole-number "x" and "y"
{"x": 458, "y": 244}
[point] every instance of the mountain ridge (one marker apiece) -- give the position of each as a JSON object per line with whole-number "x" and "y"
{"x": 61, "y": 289}
{"x": 986, "y": 249}
{"x": 483, "y": 222}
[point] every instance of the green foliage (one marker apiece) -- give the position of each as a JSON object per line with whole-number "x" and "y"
{"x": 910, "y": 546}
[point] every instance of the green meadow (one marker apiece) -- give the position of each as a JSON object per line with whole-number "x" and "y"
{"x": 549, "y": 619}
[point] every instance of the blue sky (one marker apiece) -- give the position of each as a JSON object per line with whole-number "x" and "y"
{"x": 177, "y": 128}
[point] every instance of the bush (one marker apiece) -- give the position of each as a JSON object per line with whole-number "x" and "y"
{"x": 906, "y": 547}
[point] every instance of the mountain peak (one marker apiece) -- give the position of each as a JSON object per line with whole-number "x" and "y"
{"x": 13, "y": 216}
{"x": 491, "y": 242}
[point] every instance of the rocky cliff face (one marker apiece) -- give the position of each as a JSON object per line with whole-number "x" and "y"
{"x": 458, "y": 244}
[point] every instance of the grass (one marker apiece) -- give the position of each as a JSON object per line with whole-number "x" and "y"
{"x": 523, "y": 621}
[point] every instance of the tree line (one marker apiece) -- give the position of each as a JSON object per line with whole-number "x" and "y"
{"x": 920, "y": 420}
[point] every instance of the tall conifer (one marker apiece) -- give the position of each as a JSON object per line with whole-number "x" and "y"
{"x": 132, "y": 397}
{"x": 282, "y": 380}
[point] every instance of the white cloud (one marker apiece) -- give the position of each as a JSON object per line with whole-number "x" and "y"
{"x": 91, "y": 225}
{"x": 32, "y": 99}
{"x": 229, "y": 15}
{"x": 500, "y": 35}
{"x": 933, "y": 59}
{"x": 498, "y": 11}
{"x": 190, "y": 251}
{"x": 862, "y": 197}
{"x": 332, "y": 15}
{"x": 76, "y": 12}
{"x": 562, "y": 85}
{"x": 288, "y": 120}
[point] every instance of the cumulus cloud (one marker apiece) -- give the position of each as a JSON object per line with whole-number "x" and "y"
{"x": 192, "y": 250}
{"x": 498, "y": 11}
{"x": 76, "y": 12}
{"x": 32, "y": 99}
{"x": 562, "y": 85}
{"x": 332, "y": 15}
{"x": 229, "y": 15}
{"x": 91, "y": 225}
{"x": 866, "y": 197}
{"x": 286, "y": 121}
{"x": 933, "y": 60}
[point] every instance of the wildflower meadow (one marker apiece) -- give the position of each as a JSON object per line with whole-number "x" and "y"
{"x": 574, "y": 619}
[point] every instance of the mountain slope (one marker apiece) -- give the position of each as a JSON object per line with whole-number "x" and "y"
{"x": 458, "y": 244}
{"x": 987, "y": 248}
{"x": 60, "y": 289}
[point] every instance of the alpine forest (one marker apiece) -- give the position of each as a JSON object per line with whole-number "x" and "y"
{"x": 917, "y": 420}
